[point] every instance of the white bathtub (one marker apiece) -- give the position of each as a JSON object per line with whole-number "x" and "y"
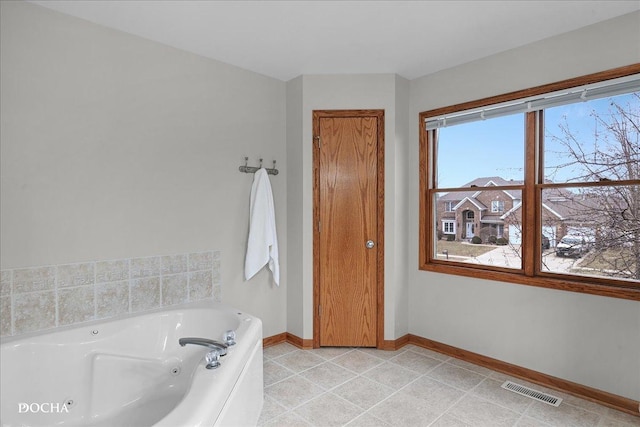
{"x": 131, "y": 371}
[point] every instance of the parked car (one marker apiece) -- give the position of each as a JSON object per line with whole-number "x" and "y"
{"x": 573, "y": 246}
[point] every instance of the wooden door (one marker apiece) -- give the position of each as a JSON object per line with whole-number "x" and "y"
{"x": 347, "y": 235}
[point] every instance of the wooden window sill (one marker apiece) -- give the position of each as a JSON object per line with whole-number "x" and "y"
{"x": 583, "y": 285}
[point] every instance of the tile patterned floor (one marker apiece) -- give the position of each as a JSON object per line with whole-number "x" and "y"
{"x": 409, "y": 387}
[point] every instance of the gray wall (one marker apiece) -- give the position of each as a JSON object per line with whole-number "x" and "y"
{"x": 591, "y": 340}
{"x": 399, "y": 200}
{"x": 113, "y": 146}
{"x": 295, "y": 194}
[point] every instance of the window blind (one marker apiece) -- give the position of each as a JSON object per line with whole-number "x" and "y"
{"x": 584, "y": 93}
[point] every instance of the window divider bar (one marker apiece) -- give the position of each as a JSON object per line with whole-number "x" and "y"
{"x": 467, "y": 189}
{"x": 590, "y": 184}
{"x": 529, "y": 235}
{"x": 539, "y": 174}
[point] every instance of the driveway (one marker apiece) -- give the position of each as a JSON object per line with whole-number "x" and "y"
{"x": 502, "y": 256}
{"x": 509, "y": 256}
{"x": 557, "y": 264}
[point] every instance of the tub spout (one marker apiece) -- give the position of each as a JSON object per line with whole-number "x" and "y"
{"x": 205, "y": 342}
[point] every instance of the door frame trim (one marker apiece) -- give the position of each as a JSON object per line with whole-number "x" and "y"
{"x": 317, "y": 115}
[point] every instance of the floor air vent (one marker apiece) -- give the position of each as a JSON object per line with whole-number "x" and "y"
{"x": 534, "y": 394}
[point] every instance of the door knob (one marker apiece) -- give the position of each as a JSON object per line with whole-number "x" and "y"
{"x": 370, "y": 244}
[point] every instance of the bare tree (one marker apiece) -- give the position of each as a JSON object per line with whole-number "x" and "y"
{"x": 612, "y": 210}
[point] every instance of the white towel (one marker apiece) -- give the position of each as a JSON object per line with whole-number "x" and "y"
{"x": 262, "y": 246}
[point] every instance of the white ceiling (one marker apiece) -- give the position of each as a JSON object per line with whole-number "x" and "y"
{"x": 284, "y": 39}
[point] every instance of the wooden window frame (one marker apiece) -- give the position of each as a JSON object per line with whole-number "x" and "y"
{"x": 531, "y": 273}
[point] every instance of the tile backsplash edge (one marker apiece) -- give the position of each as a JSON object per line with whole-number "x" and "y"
{"x": 46, "y": 297}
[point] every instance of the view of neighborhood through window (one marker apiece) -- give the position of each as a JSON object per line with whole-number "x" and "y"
{"x": 593, "y": 230}
{"x": 482, "y": 225}
{"x": 589, "y": 204}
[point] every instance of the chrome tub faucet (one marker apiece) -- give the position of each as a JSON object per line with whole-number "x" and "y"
{"x": 217, "y": 349}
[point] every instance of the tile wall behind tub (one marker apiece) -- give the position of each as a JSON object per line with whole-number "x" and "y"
{"x": 37, "y": 298}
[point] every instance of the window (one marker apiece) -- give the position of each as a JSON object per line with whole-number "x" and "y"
{"x": 569, "y": 164}
{"x": 449, "y": 227}
{"x": 497, "y": 206}
{"x": 448, "y": 206}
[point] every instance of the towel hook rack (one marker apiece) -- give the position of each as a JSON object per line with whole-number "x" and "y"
{"x": 252, "y": 169}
